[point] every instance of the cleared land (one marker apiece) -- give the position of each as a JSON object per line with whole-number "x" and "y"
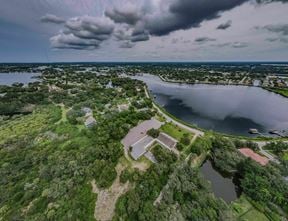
{"x": 107, "y": 198}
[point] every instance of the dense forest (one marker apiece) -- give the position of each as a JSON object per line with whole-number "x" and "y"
{"x": 49, "y": 157}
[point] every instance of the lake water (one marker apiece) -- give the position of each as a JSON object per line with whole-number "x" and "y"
{"x": 226, "y": 109}
{"x": 25, "y": 78}
{"x": 221, "y": 186}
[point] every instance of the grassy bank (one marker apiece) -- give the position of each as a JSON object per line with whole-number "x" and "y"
{"x": 280, "y": 91}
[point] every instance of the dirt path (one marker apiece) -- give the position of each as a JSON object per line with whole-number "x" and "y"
{"x": 107, "y": 198}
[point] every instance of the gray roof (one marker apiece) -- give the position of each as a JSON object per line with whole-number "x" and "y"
{"x": 140, "y": 148}
{"x": 138, "y": 132}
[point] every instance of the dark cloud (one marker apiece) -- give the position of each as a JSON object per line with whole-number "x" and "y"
{"x": 139, "y": 35}
{"x": 90, "y": 27}
{"x": 49, "y": 18}
{"x": 141, "y": 23}
{"x": 129, "y": 14}
{"x": 122, "y": 35}
{"x": 270, "y": 1}
{"x": 202, "y": 40}
{"x": 70, "y": 41}
{"x": 184, "y": 14}
{"x": 281, "y": 29}
{"x": 83, "y": 33}
{"x": 225, "y": 25}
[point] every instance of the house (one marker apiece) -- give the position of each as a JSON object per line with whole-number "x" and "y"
{"x": 254, "y": 156}
{"x": 90, "y": 122}
{"x": 141, "y": 147}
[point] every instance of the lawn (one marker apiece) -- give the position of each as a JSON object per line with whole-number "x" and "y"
{"x": 175, "y": 131}
{"x": 245, "y": 211}
{"x": 253, "y": 215}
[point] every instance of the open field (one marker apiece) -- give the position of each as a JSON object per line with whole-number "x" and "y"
{"x": 175, "y": 131}
{"x": 245, "y": 211}
{"x": 29, "y": 124}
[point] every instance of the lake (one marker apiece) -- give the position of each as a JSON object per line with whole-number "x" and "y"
{"x": 221, "y": 186}
{"x": 25, "y": 78}
{"x": 227, "y": 109}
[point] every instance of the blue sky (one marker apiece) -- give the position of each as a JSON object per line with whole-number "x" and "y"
{"x": 143, "y": 30}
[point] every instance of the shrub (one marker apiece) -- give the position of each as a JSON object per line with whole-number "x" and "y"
{"x": 153, "y": 133}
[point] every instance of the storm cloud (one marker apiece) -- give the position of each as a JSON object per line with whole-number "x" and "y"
{"x": 185, "y": 14}
{"x": 69, "y": 41}
{"x": 83, "y": 33}
{"x": 128, "y": 14}
{"x": 161, "y": 19}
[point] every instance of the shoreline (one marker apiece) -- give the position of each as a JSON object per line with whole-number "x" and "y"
{"x": 273, "y": 90}
{"x": 204, "y": 131}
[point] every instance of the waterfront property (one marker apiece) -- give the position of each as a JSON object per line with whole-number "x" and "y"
{"x": 142, "y": 146}
{"x": 221, "y": 108}
{"x": 138, "y": 142}
{"x": 138, "y": 132}
{"x": 254, "y": 156}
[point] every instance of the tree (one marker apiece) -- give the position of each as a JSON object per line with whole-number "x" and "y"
{"x": 153, "y": 133}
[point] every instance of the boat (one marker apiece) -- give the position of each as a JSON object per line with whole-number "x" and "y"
{"x": 253, "y": 131}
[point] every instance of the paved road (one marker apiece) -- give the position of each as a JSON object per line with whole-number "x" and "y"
{"x": 261, "y": 144}
{"x": 169, "y": 119}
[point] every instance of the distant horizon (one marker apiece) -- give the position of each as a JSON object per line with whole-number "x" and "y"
{"x": 147, "y": 62}
{"x": 66, "y": 31}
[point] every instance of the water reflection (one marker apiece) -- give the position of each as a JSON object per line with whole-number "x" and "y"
{"x": 221, "y": 186}
{"x": 10, "y": 78}
{"x": 228, "y": 109}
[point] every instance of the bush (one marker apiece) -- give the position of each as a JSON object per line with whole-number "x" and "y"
{"x": 180, "y": 146}
{"x": 153, "y": 133}
{"x": 185, "y": 140}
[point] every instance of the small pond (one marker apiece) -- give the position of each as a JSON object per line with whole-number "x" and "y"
{"x": 222, "y": 187}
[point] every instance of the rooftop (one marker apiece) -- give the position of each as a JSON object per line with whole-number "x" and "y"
{"x": 138, "y": 132}
{"x": 254, "y": 156}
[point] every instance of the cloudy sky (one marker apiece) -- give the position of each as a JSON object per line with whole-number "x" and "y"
{"x": 143, "y": 30}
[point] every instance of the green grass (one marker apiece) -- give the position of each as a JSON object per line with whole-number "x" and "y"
{"x": 245, "y": 211}
{"x": 175, "y": 131}
{"x": 281, "y": 91}
{"x": 285, "y": 156}
{"x": 29, "y": 124}
{"x": 253, "y": 215}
